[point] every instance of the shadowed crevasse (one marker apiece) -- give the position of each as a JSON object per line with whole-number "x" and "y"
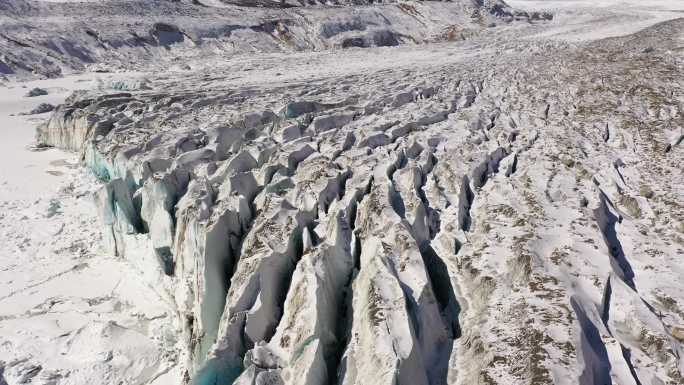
{"x": 606, "y": 221}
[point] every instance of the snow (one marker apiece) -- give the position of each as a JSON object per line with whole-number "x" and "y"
{"x": 64, "y": 305}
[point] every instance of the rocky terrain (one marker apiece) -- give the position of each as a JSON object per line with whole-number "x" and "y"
{"x": 460, "y": 194}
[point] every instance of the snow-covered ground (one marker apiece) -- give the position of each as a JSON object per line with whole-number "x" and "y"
{"x": 69, "y": 314}
{"x": 578, "y": 20}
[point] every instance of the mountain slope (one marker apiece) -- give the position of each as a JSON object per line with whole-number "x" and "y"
{"x": 46, "y": 39}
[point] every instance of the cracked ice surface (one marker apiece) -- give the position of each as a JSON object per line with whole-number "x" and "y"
{"x": 501, "y": 210}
